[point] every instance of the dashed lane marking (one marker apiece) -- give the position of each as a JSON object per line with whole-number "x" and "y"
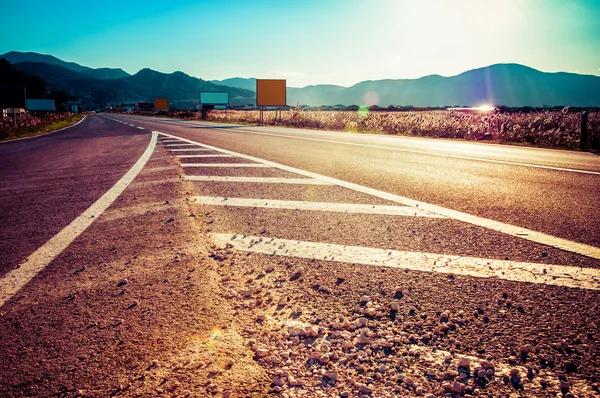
{"x": 557, "y": 275}
{"x": 266, "y": 180}
{"x": 252, "y": 165}
{"x": 184, "y": 144}
{"x": 315, "y": 206}
{"x": 14, "y": 280}
{"x": 141, "y": 128}
{"x": 512, "y": 230}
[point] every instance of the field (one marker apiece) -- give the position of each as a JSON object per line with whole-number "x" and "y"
{"x": 29, "y": 125}
{"x": 552, "y": 129}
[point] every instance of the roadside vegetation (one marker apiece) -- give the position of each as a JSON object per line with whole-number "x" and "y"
{"x": 25, "y": 126}
{"x": 552, "y": 129}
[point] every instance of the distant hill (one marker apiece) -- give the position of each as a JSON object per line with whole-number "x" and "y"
{"x": 512, "y": 85}
{"x": 15, "y": 57}
{"x": 182, "y": 90}
{"x": 501, "y": 84}
{"x": 239, "y": 82}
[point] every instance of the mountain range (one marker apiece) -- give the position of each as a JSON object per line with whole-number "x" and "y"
{"x": 512, "y": 85}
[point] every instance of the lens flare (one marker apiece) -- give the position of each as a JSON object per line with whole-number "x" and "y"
{"x": 371, "y": 98}
{"x": 363, "y": 111}
{"x": 215, "y": 333}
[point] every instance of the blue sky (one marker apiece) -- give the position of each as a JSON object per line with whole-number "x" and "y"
{"x": 309, "y": 42}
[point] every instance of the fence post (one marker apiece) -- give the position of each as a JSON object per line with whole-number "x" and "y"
{"x": 583, "y": 140}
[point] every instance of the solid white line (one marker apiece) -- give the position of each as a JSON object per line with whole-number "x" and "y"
{"x": 266, "y": 180}
{"x": 558, "y": 275}
{"x": 191, "y": 150}
{"x": 204, "y": 156}
{"x": 41, "y": 135}
{"x": 512, "y": 230}
{"x": 14, "y": 280}
{"x": 251, "y": 165}
{"x": 315, "y": 206}
{"x": 417, "y": 151}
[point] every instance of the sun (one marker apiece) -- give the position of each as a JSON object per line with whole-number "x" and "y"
{"x": 484, "y": 108}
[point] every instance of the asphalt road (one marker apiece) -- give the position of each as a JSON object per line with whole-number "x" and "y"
{"x": 47, "y": 181}
{"x": 456, "y": 175}
{"x": 230, "y": 238}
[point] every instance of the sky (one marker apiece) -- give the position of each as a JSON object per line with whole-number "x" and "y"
{"x": 309, "y": 42}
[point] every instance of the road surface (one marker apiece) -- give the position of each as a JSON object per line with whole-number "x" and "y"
{"x": 145, "y": 256}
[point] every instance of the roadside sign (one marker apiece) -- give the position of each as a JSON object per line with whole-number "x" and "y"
{"x": 40, "y": 105}
{"x": 271, "y": 92}
{"x": 161, "y": 104}
{"x": 12, "y": 97}
{"x": 214, "y": 98}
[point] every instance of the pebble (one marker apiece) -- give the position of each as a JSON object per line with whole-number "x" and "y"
{"x": 331, "y": 374}
{"x": 395, "y": 306}
{"x": 464, "y": 363}
{"x": 262, "y": 352}
{"x": 364, "y": 389}
{"x": 457, "y": 388}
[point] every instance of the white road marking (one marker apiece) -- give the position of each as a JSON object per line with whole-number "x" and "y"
{"x": 512, "y": 230}
{"x": 252, "y": 165}
{"x": 315, "y": 206}
{"x": 267, "y": 180}
{"x": 14, "y": 280}
{"x": 132, "y": 125}
{"x": 418, "y": 151}
{"x": 204, "y": 156}
{"x": 558, "y": 275}
{"x": 184, "y": 144}
{"x": 191, "y": 150}
{"x": 141, "y": 128}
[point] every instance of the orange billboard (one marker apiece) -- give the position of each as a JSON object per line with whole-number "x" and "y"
{"x": 161, "y": 104}
{"x": 270, "y": 92}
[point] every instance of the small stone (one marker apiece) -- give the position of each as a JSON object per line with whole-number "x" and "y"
{"x": 122, "y": 282}
{"x": 457, "y": 388}
{"x": 365, "y": 299}
{"x": 331, "y": 375}
{"x": 364, "y": 389}
{"x": 464, "y": 363}
{"x": 262, "y": 352}
{"x": 395, "y": 306}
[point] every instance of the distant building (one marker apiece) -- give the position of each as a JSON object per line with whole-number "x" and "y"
{"x": 73, "y": 106}
{"x": 8, "y": 112}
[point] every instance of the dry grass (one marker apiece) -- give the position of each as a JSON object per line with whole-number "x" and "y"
{"x": 552, "y": 129}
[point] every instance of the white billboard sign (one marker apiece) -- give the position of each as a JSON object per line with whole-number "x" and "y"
{"x": 214, "y": 98}
{"x": 41, "y": 105}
